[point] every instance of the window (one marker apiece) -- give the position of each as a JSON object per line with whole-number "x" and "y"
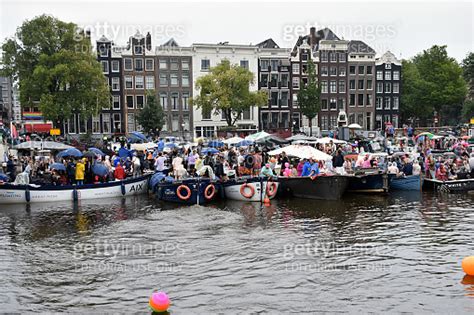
{"x": 205, "y": 64}
{"x": 105, "y": 66}
{"x": 95, "y": 124}
{"x": 264, "y": 80}
{"x": 72, "y": 124}
{"x": 185, "y": 101}
{"x": 127, "y": 64}
{"x": 369, "y": 84}
{"x": 324, "y": 104}
{"x": 164, "y": 100}
{"x": 284, "y": 99}
{"x": 352, "y": 101}
{"x": 360, "y": 99}
{"x": 174, "y": 64}
{"x": 128, "y": 82}
{"x": 304, "y": 69}
{"x": 206, "y": 115}
{"x": 116, "y": 102}
{"x": 361, "y": 69}
{"x": 284, "y": 80}
{"x": 332, "y": 104}
{"x": 341, "y": 103}
{"x": 117, "y": 122}
{"x": 388, "y": 87}
{"x": 379, "y": 75}
{"x": 379, "y": 102}
{"x": 333, "y": 71}
{"x": 138, "y": 64}
{"x": 324, "y": 86}
{"x": 360, "y": 84}
{"x": 342, "y": 57}
{"x": 342, "y": 71}
{"x": 163, "y": 79}
{"x": 140, "y": 101}
{"x": 244, "y": 64}
{"x": 130, "y": 101}
{"x": 264, "y": 64}
{"x": 352, "y": 70}
{"x": 396, "y": 75}
{"x": 138, "y": 49}
{"x": 333, "y": 87}
{"x": 324, "y": 56}
{"x": 82, "y": 124}
{"x": 342, "y": 86}
{"x": 379, "y": 87}
{"x": 274, "y": 64}
{"x": 396, "y": 87}
{"x": 103, "y": 50}
{"x": 360, "y": 119}
{"x": 387, "y": 103}
{"x": 351, "y": 118}
{"x": 296, "y": 68}
{"x": 304, "y": 57}
{"x": 324, "y": 122}
{"x": 395, "y": 121}
{"x": 296, "y": 83}
{"x": 115, "y": 84}
{"x": 139, "y": 84}
{"x": 352, "y": 84}
{"x": 369, "y": 69}
{"x": 185, "y": 79}
{"x": 131, "y": 122}
{"x": 115, "y": 65}
{"x": 333, "y": 57}
{"x": 395, "y": 102}
{"x": 295, "y": 99}
{"x": 150, "y": 82}
{"x": 369, "y": 99}
{"x": 174, "y": 79}
{"x": 388, "y": 75}
{"x": 185, "y": 64}
{"x": 274, "y": 80}
{"x": 324, "y": 70}
{"x": 174, "y": 101}
{"x": 105, "y": 123}
{"x": 274, "y": 98}
{"x": 163, "y": 64}
{"x": 149, "y": 64}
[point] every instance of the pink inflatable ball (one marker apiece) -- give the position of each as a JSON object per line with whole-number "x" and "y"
{"x": 159, "y": 302}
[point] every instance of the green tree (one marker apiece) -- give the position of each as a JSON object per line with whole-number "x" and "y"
{"x": 151, "y": 117}
{"x": 309, "y": 97}
{"x": 468, "y": 72}
{"x": 226, "y": 90}
{"x": 55, "y": 67}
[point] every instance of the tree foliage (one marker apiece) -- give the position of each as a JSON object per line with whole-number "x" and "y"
{"x": 226, "y": 90}
{"x": 55, "y": 67}
{"x": 468, "y": 72}
{"x": 309, "y": 96}
{"x": 151, "y": 117}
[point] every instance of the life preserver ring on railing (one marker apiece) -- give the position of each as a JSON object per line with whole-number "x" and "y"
{"x": 209, "y": 192}
{"x": 271, "y": 189}
{"x": 251, "y": 192}
{"x": 188, "y": 192}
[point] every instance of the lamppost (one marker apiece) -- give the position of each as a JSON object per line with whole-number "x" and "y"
{"x": 294, "y": 126}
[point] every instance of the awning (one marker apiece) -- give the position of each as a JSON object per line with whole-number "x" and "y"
{"x": 39, "y": 128}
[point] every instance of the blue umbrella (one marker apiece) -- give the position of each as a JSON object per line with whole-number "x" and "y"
{"x": 215, "y": 144}
{"x": 57, "y": 167}
{"x": 212, "y": 150}
{"x": 244, "y": 143}
{"x": 100, "y": 169}
{"x": 124, "y": 153}
{"x": 97, "y": 151}
{"x": 4, "y": 177}
{"x": 70, "y": 152}
{"x": 138, "y": 135}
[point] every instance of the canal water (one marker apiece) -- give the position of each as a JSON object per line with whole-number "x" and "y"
{"x": 397, "y": 253}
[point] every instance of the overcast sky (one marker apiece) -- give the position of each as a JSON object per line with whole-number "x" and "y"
{"x": 405, "y": 28}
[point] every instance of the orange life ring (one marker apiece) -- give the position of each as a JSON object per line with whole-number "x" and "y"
{"x": 242, "y": 191}
{"x": 271, "y": 189}
{"x": 209, "y": 192}
{"x": 188, "y": 192}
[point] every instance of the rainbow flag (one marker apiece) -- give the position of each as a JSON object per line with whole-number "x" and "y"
{"x": 32, "y": 116}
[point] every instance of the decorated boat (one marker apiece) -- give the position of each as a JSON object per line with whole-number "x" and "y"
{"x": 251, "y": 189}
{"x": 11, "y": 194}
{"x": 412, "y": 182}
{"x": 449, "y": 186}
{"x": 371, "y": 180}
{"x": 330, "y": 187}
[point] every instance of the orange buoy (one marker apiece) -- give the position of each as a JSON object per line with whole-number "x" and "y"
{"x": 468, "y": 265}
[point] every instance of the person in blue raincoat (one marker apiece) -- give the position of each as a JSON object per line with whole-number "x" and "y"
{"x": 306, "y": 168}
{"x": 314, "y": 169}
{"x": 161, "y": 145}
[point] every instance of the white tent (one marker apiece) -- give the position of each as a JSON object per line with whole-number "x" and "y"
{"x": 327, "y": 140}
{"x": 257, "y": 136}
{"x": 143, "y": 146}
{"x": 354, "y": 126}
{"x": 302, "y": 152}
{"x": 42, "y": 145}
{"x": 233, "y": 140}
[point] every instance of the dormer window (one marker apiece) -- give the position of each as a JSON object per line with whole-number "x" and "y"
{"x": 138, "y": 50}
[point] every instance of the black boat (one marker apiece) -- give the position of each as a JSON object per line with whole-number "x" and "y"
{"x": 449, "y": 186}
{"x": 318, "y": 187}
{"x": 369, "y": 181}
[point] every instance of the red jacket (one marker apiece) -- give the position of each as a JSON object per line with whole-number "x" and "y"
{"x": 119, "y": 173}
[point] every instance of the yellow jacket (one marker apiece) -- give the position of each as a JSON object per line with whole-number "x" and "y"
{"x": 80, "y": 170}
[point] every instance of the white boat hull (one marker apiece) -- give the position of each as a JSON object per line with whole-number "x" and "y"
{"x": 10, "y": 194}
{"x": 232, "y": 192}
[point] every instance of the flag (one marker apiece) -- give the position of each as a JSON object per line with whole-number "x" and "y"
{"x": 13, "y": 131}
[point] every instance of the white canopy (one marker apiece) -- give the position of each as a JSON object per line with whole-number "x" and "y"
{"x": 233, "y": 140}
{"x": 301, "y": 137}
{"x": 257, "y": 136}
{"x": 327, "y": 140}
{"x": 354, "y": 126}
{"x": 42, "y": 145}
{"x": 302, "y": 152}
{"x": 143, "y": 146}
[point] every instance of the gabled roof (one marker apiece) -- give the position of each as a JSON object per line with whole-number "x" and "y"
{"x": 323, "y": 34}
{"x": 268, "y": 43}
{"x": 358, "y": 46}
{"x": 326, "y": 34}
{"x": 170, "y": 43}
{"x": 103, "y": 39}
{"x": 388, "y": 57}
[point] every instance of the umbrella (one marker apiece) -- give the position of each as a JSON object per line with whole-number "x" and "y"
{"x": 215, "y": 144}
{"x": 89, "y": 154}
{"x": 97, "y": 151}
{"x": 45, "y": 145}
{"x": 138, "y": 135}
{"x": 301, "y": 138}
{"x": 233, "y": 140}
{"x": 57, "y": 167}
{"x": 257, "y": 136}
{"x": 4, "y": 177}
{"x": 100, "y": 169}
{"x": 354, "y": 126}
{"x": 212, "y": 150}
{"x": 124, "y": 153}
{"x": 70, "y": 152}
{"x": 302, "y": 152}
{"x": 428, "y": 134}
{"x": 244, "y": 143}
{"x": 171, "y": 145}
{"x": 327, "y": 140}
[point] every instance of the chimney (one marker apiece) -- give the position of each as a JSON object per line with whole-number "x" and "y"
{"x": 148, "y": 41}
{"x": 312, "y": 36}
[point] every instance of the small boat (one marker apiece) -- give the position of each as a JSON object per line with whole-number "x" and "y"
{"x": 323, "y": 187}
{"x": 449, "y": 186}
{"x": 371, "y": 180}
{"x": 412, "y": 182}
{"x": 250, "y": 189}
{"x": 187, "y": 191}
{"x": 17, "y": 194}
